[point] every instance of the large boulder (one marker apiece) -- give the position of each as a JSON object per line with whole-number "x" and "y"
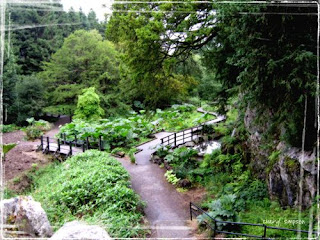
{"x": 27, "y": 215}
{"x": 80, "y": 230}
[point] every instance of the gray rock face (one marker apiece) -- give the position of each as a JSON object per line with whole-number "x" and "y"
{"x": 285, "y": 179}
{"x": 27, "y": 215}
{"x": 80, "y": 230}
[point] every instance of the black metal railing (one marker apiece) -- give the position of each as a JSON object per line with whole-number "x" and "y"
{"x": 58, "y": 146}
{"x": 212, "y": 223}
{"x": 179, "y": 138}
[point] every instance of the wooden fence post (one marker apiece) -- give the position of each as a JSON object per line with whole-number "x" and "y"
{"x": 83, "y": 147}
{"x": 175, "y": 139}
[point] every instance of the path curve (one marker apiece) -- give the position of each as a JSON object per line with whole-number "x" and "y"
{"x": 167, "y": 210}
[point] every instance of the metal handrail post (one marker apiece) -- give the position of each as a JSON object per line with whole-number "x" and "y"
{"x": 264, "y": 231}
{"x": 48, "y": 146}
{"x": 58, "y": 144}
{"x": 41, "y": 144}
{"x": 70, "y": 148}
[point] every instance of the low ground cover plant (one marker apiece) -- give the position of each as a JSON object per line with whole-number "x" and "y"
{"x": 91, "y": 186}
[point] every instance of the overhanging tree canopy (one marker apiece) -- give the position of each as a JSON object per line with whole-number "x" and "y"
{"x": 267, "y": 52}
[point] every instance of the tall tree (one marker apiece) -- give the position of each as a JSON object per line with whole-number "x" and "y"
{"x": 85, "y": 60}
{"x": 265, "y": 52}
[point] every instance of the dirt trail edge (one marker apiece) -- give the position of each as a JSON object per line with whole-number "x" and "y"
{"x": 167, "y": 210}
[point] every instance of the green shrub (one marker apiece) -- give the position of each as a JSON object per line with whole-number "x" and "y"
{"x": 9, "y": 128}
{"x": 118, "y": 132}
{"x": 171, "y": 177}
{"x": 162, "y": 151}
{"x": 33, "y": 132}
{"x": 222, "y": 209}
{"x": 208, "y": 128}
{"x": 179, "y": 117}
{"x": 36, "y": 128}
{"x": 91, "y": 186}
{"x": 42, "y": 125}
{"x": 88, "y": 106}
{"x": 272, "y": 214}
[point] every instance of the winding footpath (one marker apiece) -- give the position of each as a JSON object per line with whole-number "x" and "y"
{"x": 167, "y": 210}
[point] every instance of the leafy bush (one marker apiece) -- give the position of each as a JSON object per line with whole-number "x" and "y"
{"x": 36, "y": 128}
{"x": 179, "y": 117}
{"x": 119, "y": 132}
{"x": 222, "y": 209}
{"x": 90, "y": 186}
{"x": 33, "y": 132}
{"x": 8, "y": 128}
{"x": 43, "y": 125}
{"x": 162, "y": 151}
{"x": 171, "y": 177}
{"x": 208, "y": 129}
{"x": 88, "y": 106}
{"x": 272, "y": 214}
{"x": 183, "y": 162}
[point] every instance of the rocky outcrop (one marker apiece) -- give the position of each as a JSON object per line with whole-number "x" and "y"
{"x": 80, "y": 230}
{"x": 292, "y": 172}
{"x": 27, "y": 215}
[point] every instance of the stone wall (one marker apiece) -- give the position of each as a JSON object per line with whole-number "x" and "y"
{"x": 291, "y": 169}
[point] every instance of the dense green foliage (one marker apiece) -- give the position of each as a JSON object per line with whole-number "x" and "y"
{"x": 36, "y": 128}
{"x": 115, "y": 133}
{"x": 88, "y": 106}
{"x": 37, "y": 31}
{"x": 8, "y": 128}
{"x": 29, "y": 98}
{"x": 135, "y": 128}
{"x": 91, "y": 186}
{"x": 270, "y": 59}
{"x": 179, "y": 117}
{"x": 32, "y": 45}
{"x": 84, "y": 60}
